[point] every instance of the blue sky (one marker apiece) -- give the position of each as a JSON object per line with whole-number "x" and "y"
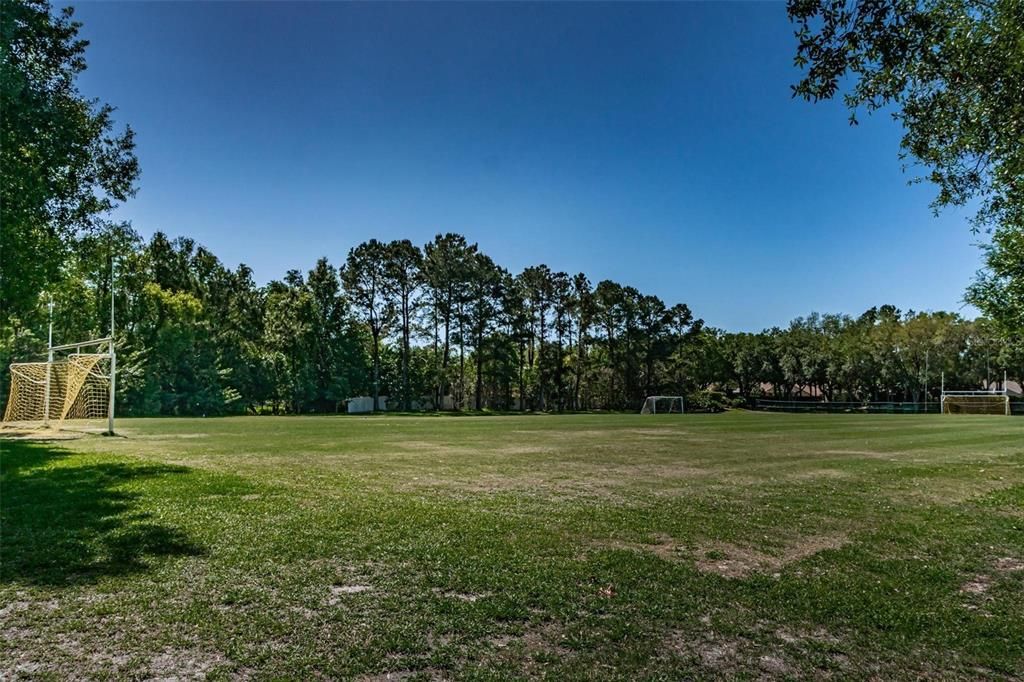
{"x": 653, "y": 144}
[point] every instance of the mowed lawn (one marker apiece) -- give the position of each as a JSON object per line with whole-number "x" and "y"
{"x": 570, "y": 547}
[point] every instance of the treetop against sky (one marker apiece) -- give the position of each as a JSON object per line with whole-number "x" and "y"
{"x": 657, "y": 145}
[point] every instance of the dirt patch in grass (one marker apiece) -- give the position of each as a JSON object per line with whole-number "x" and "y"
{"x": 976, "y": 588}
{"x": 340, "y": 592}
{"x": 812, "y": 474}
{"x": 395, "y": 675}
{"x": 977, "y": 585}
{"x": 869, "y": 454}
{"x": 29, "y": 433}
{"x": 947, "y": 492}
{"x": 727, "y": 656}
{"x": 761, "y": 653}
{"x": 461, "y": 596}
{"x": 735, "y": 561}
{"x": 667, "y": 432}
{"x": 184, "y": 664}
{"x": 1008, "y": 564}
{"x": 731, "y": 560}
{"x": 664, "y": 547}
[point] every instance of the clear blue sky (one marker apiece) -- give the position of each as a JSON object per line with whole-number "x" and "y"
{"x": 653, "y": 144}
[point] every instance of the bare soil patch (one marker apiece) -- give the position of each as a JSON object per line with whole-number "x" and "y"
{"x": 393, "y": 676}
{"x": 13, "y": 431}
{"x": 461, "y": 596}
{"x": 735, "y": 561}
{"x": 870, "y": 454}
{"x": 977, "y": 585}
{"x": 184, "y": 664}
{"x": 339, "y": 592}
{"x": 731, "y": 560}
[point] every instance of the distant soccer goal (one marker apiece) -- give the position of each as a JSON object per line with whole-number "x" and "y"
{"x": 76, "y": 382}
{"x": 975, "y": 402}
{"x": 663, "y": 404}
{"x": 994, "y": 401}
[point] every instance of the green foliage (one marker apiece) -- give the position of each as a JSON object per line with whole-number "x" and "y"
{"x": 881, "y": 355}
{"x": 64, "y": 166}
{"x": 999, "y": 290}
{"x": 951, "y": 71}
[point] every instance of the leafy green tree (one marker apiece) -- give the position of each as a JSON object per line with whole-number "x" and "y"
{"x": 64, "y": 165}
{"x": 537, "y": 285}
{"x": 173, "y": 370}
{"x": 446, "y": 264}
{"x": 584, "y": 310}
{"x": 371, "y": 292}
{"x": 334, "y": 345}
{"x": 240, "y": 335}
{"x": 999, "y": 289}
{"x": 405, "y": 271}
{"x": 951, "y": 72}
{"x": 289, "y": 342}
{"x": 484, "y": 297}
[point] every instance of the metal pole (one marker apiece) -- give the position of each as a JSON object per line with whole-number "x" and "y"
{"x": 113, "y": 356}
{"x": 49, "y": 368}
{"x": 926, "y": 381}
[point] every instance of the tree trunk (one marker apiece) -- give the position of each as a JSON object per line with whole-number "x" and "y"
{"x": 479, "y": 371}
{"x": 406, "y": 401}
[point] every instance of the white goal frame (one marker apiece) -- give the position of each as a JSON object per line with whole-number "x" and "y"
{"x": 977, "y": 397}
{"x": 651, "y": 404}
{"x": 993, "y": 396}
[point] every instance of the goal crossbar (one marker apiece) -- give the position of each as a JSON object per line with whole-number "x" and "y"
{"x": 81, "y": 344}
{"x": 663, "y": 404}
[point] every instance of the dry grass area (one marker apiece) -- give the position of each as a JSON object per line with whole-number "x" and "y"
{"x": 578, "y": 547}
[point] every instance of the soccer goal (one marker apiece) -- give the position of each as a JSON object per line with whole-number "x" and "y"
{"x": 975, "y": 402}
{"x": 663, "y": 404}
{"x": 76, "y": 382}
{"x": 995, "y": 401}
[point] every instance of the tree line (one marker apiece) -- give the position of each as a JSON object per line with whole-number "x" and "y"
{"x": 443, "y": 326}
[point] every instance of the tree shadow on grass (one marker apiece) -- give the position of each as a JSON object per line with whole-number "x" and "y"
{"x": 63, "y": 524}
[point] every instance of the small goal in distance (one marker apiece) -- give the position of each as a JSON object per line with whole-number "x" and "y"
{"x": 663, "y": 404}
{"x": 75, "y": 382}
{"x": 975, "y": 402}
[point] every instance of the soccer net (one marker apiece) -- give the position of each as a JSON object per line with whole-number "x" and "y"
{"x": 75, "y": 386}
{"x": 975, "y": 402}
{"x": 663, "y": 404}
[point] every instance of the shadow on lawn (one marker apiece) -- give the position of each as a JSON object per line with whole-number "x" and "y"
{"x": 70, "y": 524}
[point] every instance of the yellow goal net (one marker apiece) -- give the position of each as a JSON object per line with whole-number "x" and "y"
{"x": 76, "y": 386}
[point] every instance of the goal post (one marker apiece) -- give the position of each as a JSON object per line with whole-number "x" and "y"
{"x": 663, "y": 404}
{"x": 992, "y": 401}
{"x": 76, "y": 382}
{"x": 975, "y": 402}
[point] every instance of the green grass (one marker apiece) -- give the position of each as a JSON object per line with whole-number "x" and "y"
{"x": 577, "y": 547}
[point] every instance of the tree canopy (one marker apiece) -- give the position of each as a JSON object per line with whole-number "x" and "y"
{"x": 64, "y": 164}
{"x": 952, "y": 73}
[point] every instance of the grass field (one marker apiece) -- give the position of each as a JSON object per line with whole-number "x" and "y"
{"x": 702, "y": 546}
